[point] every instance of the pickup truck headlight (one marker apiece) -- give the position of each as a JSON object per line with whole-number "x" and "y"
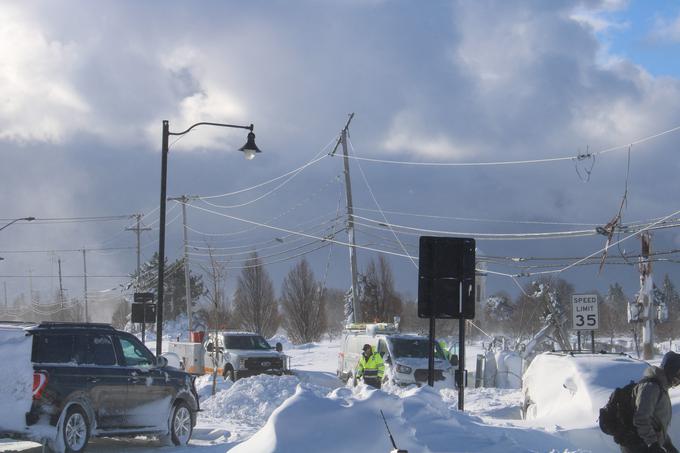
{"x": 404, "y": 369}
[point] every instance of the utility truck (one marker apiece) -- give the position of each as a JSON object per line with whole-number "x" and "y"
{"x": 233, "y": 354}
{"x": 405, "y": 355}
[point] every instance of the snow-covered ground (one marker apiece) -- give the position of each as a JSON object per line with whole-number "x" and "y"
{"x": 313, "y": 411}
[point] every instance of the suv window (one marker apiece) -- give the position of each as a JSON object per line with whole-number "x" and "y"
{"x": 135, "y": 353}
{"x": 54, "y": 348}
{"x": 412, "y": 347}
{"x": 100, "y": 350}
{"x": 246, "y": 342}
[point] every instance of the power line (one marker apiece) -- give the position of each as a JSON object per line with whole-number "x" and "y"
{"x": 294, "y": 172}
{"x": 516, "y": 162}
{"x": 80, "y": 250}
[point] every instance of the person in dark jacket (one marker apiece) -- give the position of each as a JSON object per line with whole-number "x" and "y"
{"x": 653, "y": 410}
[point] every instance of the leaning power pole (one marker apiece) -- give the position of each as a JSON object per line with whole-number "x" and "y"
{"x": 138, "y": 231}
{"x": 350, "y": 218}
{"x": 646, "y": 297}
{"x": 184, "y": 199}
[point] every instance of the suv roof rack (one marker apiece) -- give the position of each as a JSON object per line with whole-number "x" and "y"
{"x": 96, "y": 325}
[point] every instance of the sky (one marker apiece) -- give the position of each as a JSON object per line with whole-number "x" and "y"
{"x": 84, "y": 89}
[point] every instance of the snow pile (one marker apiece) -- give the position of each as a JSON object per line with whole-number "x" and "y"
{"x": 246, "y": 405}
{"x": 16, "y": 375}
{"x": 204, "y": 386}
{"x": 349, "y": 420}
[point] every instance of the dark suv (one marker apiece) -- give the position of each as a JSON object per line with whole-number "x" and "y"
{"x": 93, "y": 380}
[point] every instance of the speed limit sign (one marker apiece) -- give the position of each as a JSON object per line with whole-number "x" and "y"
{"x": 584, "y": 312}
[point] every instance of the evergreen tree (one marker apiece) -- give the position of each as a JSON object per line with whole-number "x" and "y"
{"x": 174, "y": 288}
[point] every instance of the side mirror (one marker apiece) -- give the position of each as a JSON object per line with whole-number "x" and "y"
{"x": 161, "y": 362}
{"x": 388, "y": 360}
{"x": 453, "y": 360}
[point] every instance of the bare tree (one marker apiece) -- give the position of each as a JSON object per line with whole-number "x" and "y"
{"x": 334, "y": 301}
{"x": 121, "y": 315}
{"x": 303, "y": 305}
{"x": 379, "y": 300}
{"x": 216, "y": 314}
{"x": 255, "y": 306}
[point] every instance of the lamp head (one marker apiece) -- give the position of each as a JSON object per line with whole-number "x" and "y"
{"x": 250, "y": 148}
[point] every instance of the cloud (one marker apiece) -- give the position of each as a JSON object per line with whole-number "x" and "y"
{"x": 666, "y": 30}
{"x": 85, "y": 88}
{"x": 38, "y": 100}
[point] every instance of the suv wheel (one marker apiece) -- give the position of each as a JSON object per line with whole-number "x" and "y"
{"x": 75, "y": 431}
{"x": 181, "y": 425}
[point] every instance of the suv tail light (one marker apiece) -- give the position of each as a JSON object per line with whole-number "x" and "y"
{"x": 39, "y": 384}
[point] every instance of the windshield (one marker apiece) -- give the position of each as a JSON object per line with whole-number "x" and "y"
{"x": 414, "y": 347}
{"x": 245, "y": 342}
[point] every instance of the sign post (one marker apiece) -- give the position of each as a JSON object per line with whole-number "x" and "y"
{"x": 585, "y": 316}
{"x": 141, "y": 312}
{"x": 446, "y": 290}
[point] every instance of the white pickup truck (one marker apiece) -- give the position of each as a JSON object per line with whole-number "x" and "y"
{"x": 234, "y": 354}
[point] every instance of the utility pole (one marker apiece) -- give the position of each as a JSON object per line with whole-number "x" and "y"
{"x": 350, "y": 218}
{"x": 87, "y": 317}
{"x": 138, "y": 230}
{"x": 184, "y": 199}
{"x": 30, "y": 286}
{"x": 61, "y": 286}
{"x": 646, "y": 297}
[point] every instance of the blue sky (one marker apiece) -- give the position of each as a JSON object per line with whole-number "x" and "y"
{"x": 84, "y": 89}
{"x": 636, "y": 35}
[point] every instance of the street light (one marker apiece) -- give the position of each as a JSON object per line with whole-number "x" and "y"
{"x": 27, "y": 219}
{"x": 249, "y": 150}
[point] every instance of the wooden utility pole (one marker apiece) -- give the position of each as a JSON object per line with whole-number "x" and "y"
{"x": 87, "y": 316}
{"x": 138, "y": 230}
{"x": 184, "y": 199}
{"x": 350, "y": 219}
{"x": 646, "y": 297}
{"x": 61, "y": 286}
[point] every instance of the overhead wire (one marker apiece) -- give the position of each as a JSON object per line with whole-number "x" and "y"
{"x": 515, "y": 162}
{"x": 314, "y": 160}
{"x": 299, "y": 204}
{"x": 375, "y": 200}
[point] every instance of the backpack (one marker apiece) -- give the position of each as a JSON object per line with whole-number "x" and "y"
{"x": 616, "y": 417}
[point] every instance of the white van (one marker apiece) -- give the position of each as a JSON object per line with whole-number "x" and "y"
{"x": 405, "y": 355}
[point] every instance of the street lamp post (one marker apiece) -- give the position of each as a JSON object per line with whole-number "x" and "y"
{"x": 249, "y": 149}
{"x": 27, "y": 219}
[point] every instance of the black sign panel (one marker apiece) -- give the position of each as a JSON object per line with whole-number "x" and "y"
{"x": 445, "y": 265}
{"x": 143, "y": 297}
{"x": 143, "y": 313}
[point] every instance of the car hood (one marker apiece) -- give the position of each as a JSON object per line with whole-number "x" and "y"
{"x": 421, "y": 363}
{"x": 253, "y": 353}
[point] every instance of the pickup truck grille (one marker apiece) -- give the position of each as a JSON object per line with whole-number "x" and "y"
{"x": 264, "y": 363}
{"x": 421, "y": 375}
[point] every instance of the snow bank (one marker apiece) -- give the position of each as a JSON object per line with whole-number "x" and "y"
{"x": 16, "y": 376}
{"x": 244, "y": 407}
{"x": 349, "y": 420}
